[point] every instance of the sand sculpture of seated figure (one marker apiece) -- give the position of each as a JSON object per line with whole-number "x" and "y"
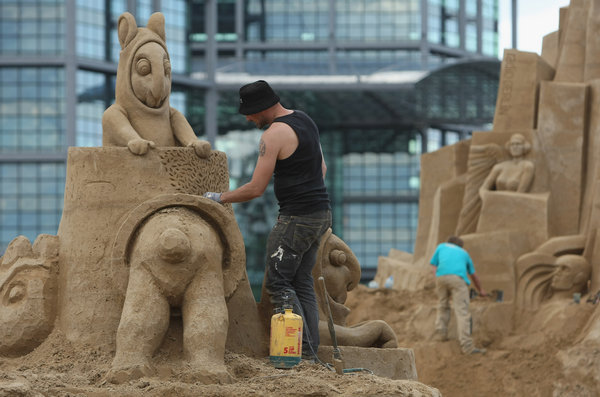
{"x": 175, "y": 262}
{"x": 141, "y": 117}
{"x": 514, "y": 175}
{"x": 341, "y": 270}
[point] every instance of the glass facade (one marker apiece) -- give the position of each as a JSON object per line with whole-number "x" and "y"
{"x": 372, "y": 135}
{"x": 31, "y": 200}
{"x": 32, "y": 27}
{"x": 32, "y": 109}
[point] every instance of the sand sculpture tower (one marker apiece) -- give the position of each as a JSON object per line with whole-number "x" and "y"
{"x": 524, "y": 193}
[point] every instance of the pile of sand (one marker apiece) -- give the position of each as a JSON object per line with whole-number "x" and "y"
{"x": 60, "y": 368}
{"x": 525, "y": 362}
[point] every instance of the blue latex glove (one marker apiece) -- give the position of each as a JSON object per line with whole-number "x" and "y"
{"x": 213, "y": 196}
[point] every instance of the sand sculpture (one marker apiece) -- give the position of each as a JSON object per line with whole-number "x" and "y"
{"x": 341, "y": 270}
{"x": 137, "y": 246}
{"x": 140, "y": 254}
{"x": 28, "y": 293}
{"x": 534, "y": 233}
{"x": 141, "y": 117}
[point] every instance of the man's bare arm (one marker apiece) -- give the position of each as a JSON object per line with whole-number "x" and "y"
{"x": 268, "y": 150}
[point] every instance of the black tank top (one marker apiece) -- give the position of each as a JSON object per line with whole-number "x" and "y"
{"x": 298, "y": 179}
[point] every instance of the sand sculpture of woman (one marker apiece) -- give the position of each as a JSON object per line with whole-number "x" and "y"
{"x": 514, "y": 175}
{"x": 489, "y": 171}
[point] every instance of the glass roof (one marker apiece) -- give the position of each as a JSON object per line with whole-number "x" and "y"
{"x": 462, "y": 95}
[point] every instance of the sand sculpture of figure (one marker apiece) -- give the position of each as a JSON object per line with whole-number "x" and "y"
{"x": 141, "y": 117}
{"x": 176, "y": 257}
{"x": 543, "y": 279}
{"x": 27, "y": 293}
{"x": 176, "y": 261}
{"x": 341, "y": 270}
{"x": 513, "y": 175}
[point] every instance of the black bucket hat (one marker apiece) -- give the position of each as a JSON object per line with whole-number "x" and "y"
{"x": 256, "y": 97}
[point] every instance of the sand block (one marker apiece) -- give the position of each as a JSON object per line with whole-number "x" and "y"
{"x": 592, "y": 160}
{"x": 396, "y": 363}
{"x": 517, "y": 94}
{"x": 407, "y": 276}
{"x": 561, "y": 128}
{"x": 510, "y": 211}
{"x": 386, "y": 267}
{"x": 550, "y": 48}
{"x": 494, "y": 255}
{"x": 437, "y": 168}
{"x": 400, "y": 255}
{"x": 592, "y": 47}
{"x": 571, "y": 59}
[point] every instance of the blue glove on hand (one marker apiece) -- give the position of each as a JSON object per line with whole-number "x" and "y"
{"x": 213, "y": 196}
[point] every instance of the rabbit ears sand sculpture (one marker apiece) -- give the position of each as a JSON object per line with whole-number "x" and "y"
{"x": 141, "y": 117}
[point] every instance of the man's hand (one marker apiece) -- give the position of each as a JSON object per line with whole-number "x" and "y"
{"x": 202, "y": 148}
{"x": 213, "y": 196}
{"x": 140, "y": 146}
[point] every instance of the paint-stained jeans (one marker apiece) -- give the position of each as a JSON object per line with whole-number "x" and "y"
{"x": 455, "y": 287}
{"x": 291, "y": 254}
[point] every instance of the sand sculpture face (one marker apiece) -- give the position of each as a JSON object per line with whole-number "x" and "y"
{"x": 151, "y": 75}
{"x": 571, "y": 275}
{"x": 518, "y": 146}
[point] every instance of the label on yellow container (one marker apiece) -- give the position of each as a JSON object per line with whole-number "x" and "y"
{"x": 286, "y": 339}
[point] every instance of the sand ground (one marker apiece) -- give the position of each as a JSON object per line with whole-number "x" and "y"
{"x": 524, "y": 364}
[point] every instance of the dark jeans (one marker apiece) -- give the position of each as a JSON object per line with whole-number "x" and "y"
{"x": 291, "y": 255}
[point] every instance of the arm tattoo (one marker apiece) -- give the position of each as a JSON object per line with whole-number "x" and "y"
{"x": 262, "y": 148}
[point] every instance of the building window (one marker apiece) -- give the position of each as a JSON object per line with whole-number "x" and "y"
{"x": 434, "y": 139}
{"x": 33, "y": 108}
{"x": 94, "y": 95}
{"x": 379, "y": 203}
{"x": 117, "y": 7}
{"x": 287, "y": 20}
{"x": 91, "y": 27}
{"x": 32, "y": 27}
{"x": 378, "y": 20}
{"x": 175, "y": 12}
{"x": 490, "y": 27}
{"x": 31, "y": 201}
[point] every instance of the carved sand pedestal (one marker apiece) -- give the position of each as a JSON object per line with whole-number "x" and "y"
{"x": 396, "y": 363}
{"x": 109, "y": 194}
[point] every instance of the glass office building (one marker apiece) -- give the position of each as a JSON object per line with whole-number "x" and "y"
{"x": 385, "y": 80}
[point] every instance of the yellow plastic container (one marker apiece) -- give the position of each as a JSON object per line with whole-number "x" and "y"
{"x": 286, "y": 339}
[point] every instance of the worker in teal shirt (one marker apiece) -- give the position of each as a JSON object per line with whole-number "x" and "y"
{"x": 453, "y": 267}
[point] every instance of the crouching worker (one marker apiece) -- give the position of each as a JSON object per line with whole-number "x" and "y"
{"x": 452, "y": 267}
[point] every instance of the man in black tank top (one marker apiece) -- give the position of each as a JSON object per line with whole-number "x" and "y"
{"x": 289, "y": 150}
